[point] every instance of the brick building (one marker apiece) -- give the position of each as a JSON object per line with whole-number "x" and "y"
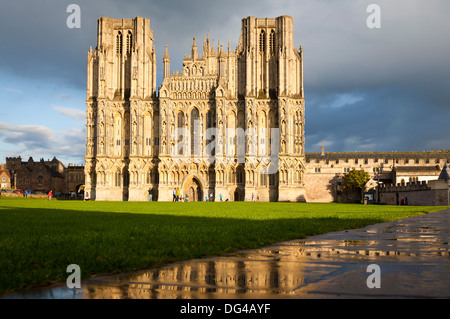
{"x": 39, "y": 176}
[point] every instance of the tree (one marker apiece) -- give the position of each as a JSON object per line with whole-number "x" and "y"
{"x": 355, "y": 180}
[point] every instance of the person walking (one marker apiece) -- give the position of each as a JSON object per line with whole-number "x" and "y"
{"x": 220, "y": 197}
{"x": 174, "y": 199}
{"x": 150, "y": 194}
{"x": 50, "y": 194}
{"x": 178, "y": 194}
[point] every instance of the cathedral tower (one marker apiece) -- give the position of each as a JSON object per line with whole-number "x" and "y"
{"x": 121, "y": 88}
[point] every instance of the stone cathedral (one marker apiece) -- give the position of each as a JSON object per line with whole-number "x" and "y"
{"x": 230, "y": 123}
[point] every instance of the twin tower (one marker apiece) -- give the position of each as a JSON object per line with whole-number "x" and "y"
{"x": 229, "y": 124}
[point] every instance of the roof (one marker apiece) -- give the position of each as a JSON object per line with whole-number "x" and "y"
{"x": 378, "y": 155}
{"x": 417, "y": 168}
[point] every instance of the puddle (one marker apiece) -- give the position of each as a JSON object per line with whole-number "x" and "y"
{"x": 314, "y": 267}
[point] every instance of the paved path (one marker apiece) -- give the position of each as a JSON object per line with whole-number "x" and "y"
{"x": 412, "y": 255}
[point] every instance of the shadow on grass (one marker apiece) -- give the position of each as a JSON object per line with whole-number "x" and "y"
{"x": 37, "y": 244}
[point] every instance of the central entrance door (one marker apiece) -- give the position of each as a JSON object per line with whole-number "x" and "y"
{"x": 193, "y": 189}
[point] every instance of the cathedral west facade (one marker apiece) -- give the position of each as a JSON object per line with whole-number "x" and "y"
{"x": 229, "y": 123}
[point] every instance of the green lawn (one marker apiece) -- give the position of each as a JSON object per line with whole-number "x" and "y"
{"x": 40, "y": 238}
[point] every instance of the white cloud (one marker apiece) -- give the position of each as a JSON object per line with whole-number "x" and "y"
{"x": 41, "y": 141}
{"x": 75, "y": 114}
{"x": 345, "y": 99}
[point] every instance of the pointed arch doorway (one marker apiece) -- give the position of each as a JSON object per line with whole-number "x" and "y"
{"x": 193, "y": 188}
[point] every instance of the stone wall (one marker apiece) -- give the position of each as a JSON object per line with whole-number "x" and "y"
{"x": 433, "y": 193}
{"x": 320, "y": 187}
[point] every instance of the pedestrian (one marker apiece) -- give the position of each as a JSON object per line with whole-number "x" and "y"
{"x": 150, "y": 194}
{"x": 174, "y": 195}
{"x": 257, "y": 198}
{"x": 178, "y": 194}
{"x": 206, "y": 198}
{"x": 50, "y": 194}
{"x": 211, "y": 197}
{"x": 220, "y": 197}
{"x": 253, "y": 197}
{"x": 406, "y": 201}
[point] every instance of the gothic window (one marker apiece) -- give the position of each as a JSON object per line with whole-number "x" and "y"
{"x": 147, "y": 133}
{"x": 126, "y": 178}
{"x": 119, "y": 43}
{"x": 194, "y": 133}
{"x": 208, "y": 120}
{"x": 156, "y": 131}
{"x": 272, "y": 41}
{"x": 180, "y": 120}
{"x": 211, "y": 174}
{"x": 263, "y": 176}
{"x": 129, "y": 42}
{"x": 240, "y": 175}
{"x": 262, "y": 41}
{"x": 271, "y": 179}
{"x": 117, "y": 179}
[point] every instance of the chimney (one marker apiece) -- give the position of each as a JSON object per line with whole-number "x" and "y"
{"x": 322, "y": 150}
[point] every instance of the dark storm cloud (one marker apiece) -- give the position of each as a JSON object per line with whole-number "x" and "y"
{"x": 366, "y": 89}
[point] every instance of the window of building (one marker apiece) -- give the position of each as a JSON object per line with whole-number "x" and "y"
{"x": 263, "y": 176}
{"x": 271, "y": 179}
{"x": 272, "y": 41}
{"x": 240, "y": 175}
{"x": 194, "y": 132}
{"x": 129, "y": 42}
{"x": 262, "y": 41}
{"x": 117, "y": 179}
{"x": 126, "y": 178}
{"x": 119, "y": 43}
{"x": 317, "y": 169}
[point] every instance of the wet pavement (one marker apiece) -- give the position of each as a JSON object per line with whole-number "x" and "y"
{"x": 413, "y": 256}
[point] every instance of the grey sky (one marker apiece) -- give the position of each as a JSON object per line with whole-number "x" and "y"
{"x": 366, "y": 89}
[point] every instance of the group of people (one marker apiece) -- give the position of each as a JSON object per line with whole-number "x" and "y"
{"x": 178, "y": 196}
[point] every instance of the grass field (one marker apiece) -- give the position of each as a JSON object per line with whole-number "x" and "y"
{"x": 40, "y": 238}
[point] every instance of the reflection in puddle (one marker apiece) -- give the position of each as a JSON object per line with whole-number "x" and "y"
{"x": 332, "y": 264}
